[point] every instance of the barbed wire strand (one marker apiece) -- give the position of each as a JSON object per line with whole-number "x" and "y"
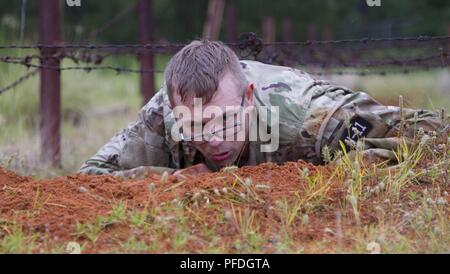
{"x": 19, "y": 81}
{"x": 249, "y": 44}
{"x": 131, "y": 70}
{"x": 85, "y": 68}
{"x": 150, "y": 46}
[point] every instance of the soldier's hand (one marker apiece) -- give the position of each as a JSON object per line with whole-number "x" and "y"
{"x": 193, "y": 170}
{"x": 92, "y": 170}
{"x": 142, "y": 172}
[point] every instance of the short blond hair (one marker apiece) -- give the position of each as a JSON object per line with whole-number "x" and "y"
{"x": 196, "y": 70}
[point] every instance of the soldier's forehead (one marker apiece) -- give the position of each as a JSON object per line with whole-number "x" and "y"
{"x": 207, "y": 113}
{"x": 228, "y": 92}
{"x": 226, "y": 95}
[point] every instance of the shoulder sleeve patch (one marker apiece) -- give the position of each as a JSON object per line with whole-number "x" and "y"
{"x": 358, "y": 128}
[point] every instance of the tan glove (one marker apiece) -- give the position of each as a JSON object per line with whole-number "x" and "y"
{"x": 142, "y": 172}
{"x": 193, "y": 170}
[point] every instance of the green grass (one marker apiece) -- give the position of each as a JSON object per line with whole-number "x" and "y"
{"x": 17, "y": 241}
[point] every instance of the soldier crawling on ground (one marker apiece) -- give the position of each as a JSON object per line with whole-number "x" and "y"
{"x": 311, "y": 116}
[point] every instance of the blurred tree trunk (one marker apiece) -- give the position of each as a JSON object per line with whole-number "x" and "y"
{"x": 211, "y": 29}
{"x": 312, "y": 36}
{"x": 328, "y": 36}
{"x": 268, "y": 29}
{"x": 50, "y": 84}
{"x": 146, "y": 58}
{"x": 447, "y": 49}
{"x": 231, "y": 21}
{"x": 287, "y": 29}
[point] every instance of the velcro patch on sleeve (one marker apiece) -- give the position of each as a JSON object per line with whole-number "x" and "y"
{"x": 359, "y": 127}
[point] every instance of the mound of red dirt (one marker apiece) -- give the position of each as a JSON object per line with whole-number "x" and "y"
{"x": 54, "y": 206}
{"x": 58, "y": 203}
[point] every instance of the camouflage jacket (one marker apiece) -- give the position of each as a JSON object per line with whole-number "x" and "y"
{"x": 312, "y": 114}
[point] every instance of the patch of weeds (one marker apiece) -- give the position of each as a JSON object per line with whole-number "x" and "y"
{"x": 249, "y": 195}
{"x": 356, "y": 173}
{"x": 58, "y": 249}
{"x": 408, "y": 158}
{"x": 16, "y": 241}
{"x": 243, "y": 221}
{"x": 386, "y": 236}
{"x": 91, "y": 231}
{"x": 254, "y": 241}
{"x": 88, "y": 231}
{"x": 248, "y": 230}
{"x": 139, "y": 219}
{"x": 216, "y": 246}
{"x": 413, "y": 196}
{"x": 133, "y": 245}
{"x": 287, "y": 212}
{"x": 117, "y": 215}
{"x": 315, "y": 190}
{"x": 179, "y": 240}
{"x": 431, "y": 223}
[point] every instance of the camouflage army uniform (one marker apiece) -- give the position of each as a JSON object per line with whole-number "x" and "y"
{"x": 312, "y": 114}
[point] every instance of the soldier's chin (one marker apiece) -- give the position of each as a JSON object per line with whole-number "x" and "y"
{"x": 224, "y": 163}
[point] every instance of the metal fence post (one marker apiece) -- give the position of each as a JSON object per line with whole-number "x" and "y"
{"x": 213, "y": 23}
{"x": 146, "y": 58}
{"x": 231, "y": 20}
{"x": 50, "y": 85}
{"x": 287, "y": 29}
{"x": 268, "y": 26}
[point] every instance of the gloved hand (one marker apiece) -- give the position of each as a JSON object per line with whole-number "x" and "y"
{"x": 141, "y": 172}
{"x": 193, "y": 170}
{"x": 92, "y": 170}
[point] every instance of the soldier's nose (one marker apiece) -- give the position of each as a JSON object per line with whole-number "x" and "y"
{"x": 215, "y": 141}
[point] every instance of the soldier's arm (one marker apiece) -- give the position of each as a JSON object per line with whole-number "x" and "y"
{"x": 358, "y": 115}
{"x": 137, "y": 149}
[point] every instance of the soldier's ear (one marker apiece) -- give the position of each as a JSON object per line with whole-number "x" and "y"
{"x": 249, "y": 93}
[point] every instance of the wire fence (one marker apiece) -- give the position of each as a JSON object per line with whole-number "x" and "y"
{"x": 360, "y": 57}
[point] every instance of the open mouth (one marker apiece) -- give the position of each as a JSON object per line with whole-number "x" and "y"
{"x": 220, "y": 156}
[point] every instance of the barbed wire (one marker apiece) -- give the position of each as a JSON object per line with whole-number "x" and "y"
{"x": 151, "y": 46}
{"x": 435, "y": 60}
{"x": 19, "y": 81}
{"x": 364, "y": 73}
{"x": 249, "y": 46}
{"x": 249, "y": 36}
{"x": 84, "y": 68}
{"x": 119, "y": 70}
{"x": 438, "y": 60}
{"x": 419, "y": 39}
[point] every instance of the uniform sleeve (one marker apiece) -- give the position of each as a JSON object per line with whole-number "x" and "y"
{"x": 142, "y": 143}
{"x": 358, "y": 115}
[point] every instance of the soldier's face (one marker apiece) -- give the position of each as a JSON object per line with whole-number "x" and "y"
{"x": 221, "y": 130}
